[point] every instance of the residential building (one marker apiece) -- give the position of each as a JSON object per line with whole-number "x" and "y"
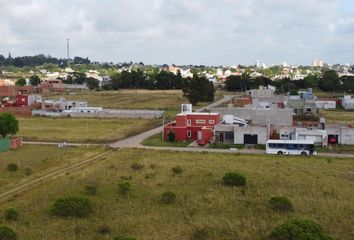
{"x": 348, "y": 102}
{"x": 260, "y": 116}
{"x": 325, "y": 104}
{"x": 193, "y": 126}
{"x": 261, "y": 92}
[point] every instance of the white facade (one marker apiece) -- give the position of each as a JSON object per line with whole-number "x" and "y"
{"x": 348, "y": 102}
{"x": 261, "y": 92}
{"x": 318, "y": 136}
{"x": 325, "y": 104}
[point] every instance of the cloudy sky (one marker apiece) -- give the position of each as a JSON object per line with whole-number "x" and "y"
{"x": 211, "y": 32}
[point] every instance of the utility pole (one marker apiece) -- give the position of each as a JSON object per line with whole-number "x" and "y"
{"x": 163, "y": 125}
{"x": 67, "y": 49}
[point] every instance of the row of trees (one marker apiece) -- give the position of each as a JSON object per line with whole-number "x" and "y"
{"x": 39, "y": 60}
{"x": 138, "y": 79}
{"x": 195, "y": 89}
{"x": 329, "y": 81}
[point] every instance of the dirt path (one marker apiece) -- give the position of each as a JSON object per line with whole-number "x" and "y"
{"x": 50, "y": 176}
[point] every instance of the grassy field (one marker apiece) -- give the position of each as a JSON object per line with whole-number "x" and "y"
{"x": 82, "y": 130}
{"x": 338, "y": 116}
{"x": 34, "y": 161}
{"x": 131, "y": 99}
{"x": 156, "y": 140}
{"x": 337, "y": 149}
{"x": 321, "y": 189}
{"x": 168, "y": 100}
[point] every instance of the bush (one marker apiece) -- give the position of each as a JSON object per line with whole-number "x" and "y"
{"x": 28, "y": 171}
{"x": 7, "y": 233}
{"x": 171, "y": 137}
{"x": 104, "y": 229}
{"x": 200, "y": 234}
{"x": 299, "y": 230}
{"x": 168, "y": 198}
{"x": 11, "y": 214}
{"x": 124, "y": 187}
{"x": 123, "y": 238}
{"x": 90, "y": 189}
{"x": 234, "y": 179}
{"x": 137, "y": 166}
{"x": 72, "y": 207}
{"x": 177, "y": 169}
{"x": 12, "y": 167}
{"x": 281, "y": 204}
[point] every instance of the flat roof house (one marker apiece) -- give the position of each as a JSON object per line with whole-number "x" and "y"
{"x": 193, "y": 126}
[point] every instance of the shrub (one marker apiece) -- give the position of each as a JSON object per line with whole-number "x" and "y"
{"x": 90, "y": 189}
{"x": 72, "y": 207}
{"x": 200, "y": 234}
{"x": 11, "y": 214}
{"x": 28, "y": 171}
{"x": 137, "y": 166}
{"x": 12, "y": 167}
{"x": 124, "y": 187}
{"x": 281, "y": 204}
{"x": 177, "y": 169}
{"x": 104, "y": 229}
{"x": 168, "y": 198}
{"x": 171, "y": 137}
{"x": 7, "y": 233}
{"x": 299, "y": 230}
{"x": 234, "y": 179}
{"x": 123, "y": 238}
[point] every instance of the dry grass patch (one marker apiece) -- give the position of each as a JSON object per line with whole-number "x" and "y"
{"x": 318, "y": 188}
{"x": 34, "y": 161}
{"x": 92, "y": 130}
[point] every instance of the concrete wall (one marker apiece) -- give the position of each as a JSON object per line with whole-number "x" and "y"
{"x": 132, "y": 114}
{"x": 281, "y": 117}
{"x": 346, "y": 136}
{"x": 261, "y": 132}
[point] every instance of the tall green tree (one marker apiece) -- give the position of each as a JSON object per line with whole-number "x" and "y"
{"x": 329, "y": 81}
{"x": 35, "y": 80}
{"x": 8, "y": 124}
{"x": 92, "y": 83}
{"x": 21, "y": 82}
{"x": 198, "y": 89}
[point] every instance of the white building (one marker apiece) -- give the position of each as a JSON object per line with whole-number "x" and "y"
{"x": 348, "y": 102}
{"x": 325, "y": 104}
{"x": 318, "y": 63}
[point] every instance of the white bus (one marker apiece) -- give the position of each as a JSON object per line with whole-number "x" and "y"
{"x": 291, "y": 147}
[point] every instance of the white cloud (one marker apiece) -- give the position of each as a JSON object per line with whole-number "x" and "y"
{"x": 178, "y": 31}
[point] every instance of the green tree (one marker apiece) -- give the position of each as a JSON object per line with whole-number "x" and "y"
{"x": 238, "y": 83}
{"x": 329, "y": 81}
{"x": 35, "y": 80}
{"x": 115, "y": 80}
{"x": 92, "y": 83}
{"x": 8, "y": 124}
{"x": 348, "y": 83}
{"x": 21, "y": 82}
{"x": 299, "y": 230}
{"x": 198, "y": 89}
{"x": 7, "y": 233}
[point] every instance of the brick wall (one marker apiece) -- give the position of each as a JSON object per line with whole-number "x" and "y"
{"x": 17, "y": 111}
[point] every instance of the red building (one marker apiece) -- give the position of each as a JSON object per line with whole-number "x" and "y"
{"x": 193, "y": 126}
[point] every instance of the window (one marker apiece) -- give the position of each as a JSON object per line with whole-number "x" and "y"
{"x": 211, "y": 121}
{"x": 189, "y": 133}
{"x": 189, "y": 122}
{"x": 199, "y": 121}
